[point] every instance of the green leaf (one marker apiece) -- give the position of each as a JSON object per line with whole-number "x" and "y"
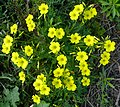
{"x": 5, "y": 104}
{"x": 11, "y": 96}
{"x": 117, "y": 4}
{"x": 42, "y": 104}
{"x": 104, "y": 2}
{"x": 114, "y": 12}
{"x": 111, "y": 85}
{"x": 105, "y": 9}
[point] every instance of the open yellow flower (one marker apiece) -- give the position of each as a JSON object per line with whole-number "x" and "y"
{"x": 37, "y": 84}
{"x": 13, "y": 29}
{"x": 105, "y": 55}
{"x": 8, "y": 40}
{"x": 71, "y": 87}
{"x": 28, "y": 50}
{"x": 5, "y": 49}
{"x": 54, "y": 47}
{"x": 62, "y": 59}
{"x": 109, "y": 46}
{"x": 29, "y": 19}
{"x": 82, "y": 56}
{"x": 36, "y": 99}
{"x": 43, "y": 8}
{"x": 22, "y": 76}
{"x": 23, "y": 63}
{"x": 85, "y": 71}
{"x": 44, "y": 90}
{"x": 57, "y": 83}
{"x": 89, "y": 40}
{"x": 31, "y": 26}
{"x": 58, "y": 72}
{"x": 104, "y": 61}
{"x": 60, "y": 33}
{"x": 87, "y": 15}
{"x": 41, "y": 77}
{"x": 85, "y": 81}
{"x": 75, "y": 38}
{"x": 74, "y": 15}
{"x": 79, "y": 8}
{"x": 52, "y": 32}
{"x": 15, "y": 57}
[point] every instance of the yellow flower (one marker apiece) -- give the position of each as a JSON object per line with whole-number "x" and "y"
{"x": 105, "y": 55}
{"x": 54, "y": 47}
{"x": 13, "y": 29}
{"x": 44, "y": 90}
{"x": 57, "y": 83}
{"x": 29, "y": 19}
{"x": 66, "y": 73}
{"x": 87, "y": 15}
{"x": 82, "y": 56}
{"x": 83, "y": 65}
{"x": 41, "y": 77}
{"x": 62, "y": 59}
{"x": 109, "y": 46}
{"x": 60, "y": 33}
{"x": 15, "y": 57}
{"x": 75, "y": 38}
{"x": 85, "y": 71}
{"x": 71, "y": 87}
{"x": 74, "y": 15}
{"x": 93, "y": 12}
{"x": 104, "y": 61}
{"x": 5, "y": 49}
{"x": 43, "y": 8}
{"x": 79, "y": 8}
{"x": 85, "y": 81}
{"x": 68, "y": 80}
{"x": 22, "y": 76}
{"x": 36, "y": 99}
{"x": 22, "y": 63}
{"x": 58, "y": 72}
{"x": 8, "y": 40}
{"x": 31, "y": 26}
{"x": 28, "y": 50}
{"x": 38, "y": 84}
{"x": 89, "y": 40}
{"x": 52, "y": 32}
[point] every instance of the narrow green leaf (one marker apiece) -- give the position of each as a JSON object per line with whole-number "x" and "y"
{"x": 117, "y": 4}
{"x": 104, "y": 2}
{"x": 111, "y": 85}
{"x": 105, "y": 9}
{"x": 114, "y": 12}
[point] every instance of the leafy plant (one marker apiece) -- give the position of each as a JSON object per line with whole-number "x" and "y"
{"x": 111, "y": 7}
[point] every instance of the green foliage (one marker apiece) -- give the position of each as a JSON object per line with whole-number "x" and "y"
{"x": 9, "y": 97}
{"x": 111, "y": 7}
{"x": 42, "y": 104}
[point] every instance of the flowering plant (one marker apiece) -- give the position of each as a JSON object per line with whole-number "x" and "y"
{"x": 56, "y": 61}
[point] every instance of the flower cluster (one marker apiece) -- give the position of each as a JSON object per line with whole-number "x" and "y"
{"x": 63, "y": 79}
{"x": 40, "y": 85}
{"x": 79, "y": 10}
{"x": 7, "y": 44}
{"x": 105, "y": 56}
{"x": 30, "y": 23}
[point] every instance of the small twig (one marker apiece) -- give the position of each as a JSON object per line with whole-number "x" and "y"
{"x": 90, "y": 103}
{"x": 117, "y": 100}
